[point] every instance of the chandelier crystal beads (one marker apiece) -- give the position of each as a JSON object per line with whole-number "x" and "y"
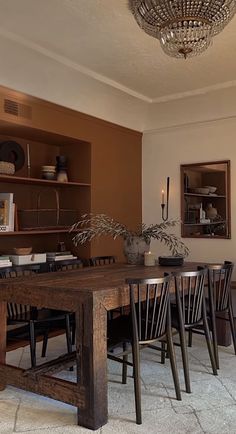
{"x": 185, "y": 28}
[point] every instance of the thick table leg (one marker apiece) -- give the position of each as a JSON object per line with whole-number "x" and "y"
{"x": 91, "y": 343}
{"x": 3, "y": 332}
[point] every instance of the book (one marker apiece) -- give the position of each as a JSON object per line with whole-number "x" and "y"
{"x": 8, "y": 264}
{"x": 3, "y": 212}
{"x": 6, "y": 212}
{"x": 64, "y": 258}
{"x": 61, "y": 257}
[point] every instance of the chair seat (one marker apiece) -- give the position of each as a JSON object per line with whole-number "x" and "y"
{"x": 37, "y": 315}
{"x": 119, "y": 330}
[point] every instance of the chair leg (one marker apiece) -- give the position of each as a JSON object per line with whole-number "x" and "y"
{"x": 190, "y": 338}
{"x": 173, "y": 365}
{"x": 137, "y": 381}
{"x": 124, "y": 366}
{"x": 32, "y": 344}
{"x": 232, "y": 325}
{"x": 45, "y": 343}
{"x": 73, "y": 334}
{"x": 163, "y": 352}
{"x": 208, "y": 341}
{"x": 68, "y": 336}
{"x": 183, "y": 346}
{"x": 214, "y": 340}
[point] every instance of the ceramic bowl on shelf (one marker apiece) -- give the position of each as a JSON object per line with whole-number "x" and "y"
{"x": 211, "y": 188}
{"x": 22, "y": 250}
{"x": 200, "y": 190}
{"x": 49, "y": 172}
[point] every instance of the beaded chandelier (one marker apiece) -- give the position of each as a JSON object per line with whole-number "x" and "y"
{"x": 185, "y": 28}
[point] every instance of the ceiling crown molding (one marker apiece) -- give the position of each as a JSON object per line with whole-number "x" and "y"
{"x": 105, "y": 80}
{"x": 73, "y": 65}
{"x": 195, "y": 92}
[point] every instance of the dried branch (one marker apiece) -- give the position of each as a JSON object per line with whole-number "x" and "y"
{"x": 96, "y": 225}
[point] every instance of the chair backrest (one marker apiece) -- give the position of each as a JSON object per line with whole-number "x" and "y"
{"x": 189, "y": 291}
{"x": 101, "y": 260}
{"x": 219, "y": 280}
{"x": 20, "y": 312}
{"x": 150, "y": 307}
{"x": 14, "y": 310}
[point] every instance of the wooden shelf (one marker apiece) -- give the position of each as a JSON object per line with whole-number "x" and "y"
{"x": 37, "y": 181}
{"x": 205, "y": 224}
{"x": 206, "y": 236}
{"x": 37, "y": 232}
{"x": 205, "y": 195}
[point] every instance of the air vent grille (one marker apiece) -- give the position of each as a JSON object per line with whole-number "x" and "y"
{"x": 17, "y": 109}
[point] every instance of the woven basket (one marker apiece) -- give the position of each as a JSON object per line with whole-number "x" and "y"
{"x": 50, "y": 218}
{"x": 7, "y": 168}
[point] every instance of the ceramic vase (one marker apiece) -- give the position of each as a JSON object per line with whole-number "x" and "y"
{"x": 134, "y": 249}
{"x": 211, "y": 212}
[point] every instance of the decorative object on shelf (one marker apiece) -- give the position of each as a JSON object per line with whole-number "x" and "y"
{"x": 49, "y": 172}
{"x": 164, "y": 214}
{"x": 171, "y": 261}
{"x": 149, "y": 259}
{"x": 7, "y": 168}
{"x": 211, "y": 188}
{"x": 186, "y": 183}
{"x": 211, "y": 212}
{"x": 12, "y": 152}
{"x": 135, "y": 242}
{"x": 184, "y": 28}
{"x": 22, "y": 250}
{"x": 61, "y": 247}
{"x": 200, "y": 190}
{"x": 28, "y": 160}
{"x": 61, "y": 168}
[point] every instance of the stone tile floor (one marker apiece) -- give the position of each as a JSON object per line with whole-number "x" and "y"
{"x": 210, "y": 408}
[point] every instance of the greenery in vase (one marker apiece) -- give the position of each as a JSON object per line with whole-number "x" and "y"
{"x": 95, "y": 225}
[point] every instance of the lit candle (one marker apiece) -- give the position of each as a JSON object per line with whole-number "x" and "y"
{"x": 162, "y": 197}
{"x": 149, "y": 259}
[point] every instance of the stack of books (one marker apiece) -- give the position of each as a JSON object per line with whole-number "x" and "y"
{"x": 60, "y": 256}
{"x": 5, "y": 262}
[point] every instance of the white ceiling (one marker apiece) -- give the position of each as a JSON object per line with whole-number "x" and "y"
{"x": 102, "y": 39}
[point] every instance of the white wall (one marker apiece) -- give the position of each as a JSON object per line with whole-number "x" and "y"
{"x": 164, "y": 149}
{"x": 30, "y": 71}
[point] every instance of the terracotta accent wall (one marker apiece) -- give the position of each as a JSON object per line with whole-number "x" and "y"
{"x": 116, "y": 184}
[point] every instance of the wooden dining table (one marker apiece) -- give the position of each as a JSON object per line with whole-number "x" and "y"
{"x": 90, "y": 293}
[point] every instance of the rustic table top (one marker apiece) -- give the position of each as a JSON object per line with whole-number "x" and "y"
{"x": 63, "y": 289}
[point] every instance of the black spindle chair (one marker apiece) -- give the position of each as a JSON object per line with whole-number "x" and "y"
{"x": 219, "y": 302}
{"x": 148, "y": 322}
{"x": 101, "y": 260}
{"x": 189, "y": 311}
{"x": 33, "y": 321}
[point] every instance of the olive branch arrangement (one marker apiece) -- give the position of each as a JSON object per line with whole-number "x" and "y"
{"x": 96, "y": 225}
